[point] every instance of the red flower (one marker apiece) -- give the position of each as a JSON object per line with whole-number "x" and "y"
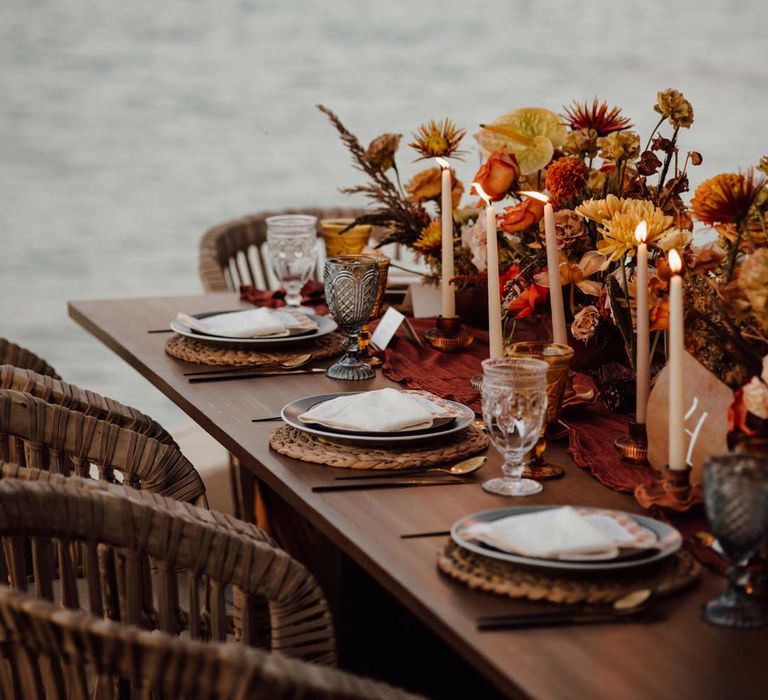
{"x": 525, "y": 303}
{"x": 509, "y": 276}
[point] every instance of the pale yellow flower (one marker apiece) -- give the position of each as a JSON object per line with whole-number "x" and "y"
{"x": 531, "y": 133}
{"x": 620, "y": 145}
{"x": 674, "y": 238}
{"x": 618, "y": 219}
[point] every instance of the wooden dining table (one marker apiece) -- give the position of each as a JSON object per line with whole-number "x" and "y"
{"x": 679, "y": 657}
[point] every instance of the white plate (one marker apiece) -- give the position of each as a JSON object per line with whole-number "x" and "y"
{"x": 325, "y": 325}
{"x": 668, "y": 541}
{"x": 294, "y": 409}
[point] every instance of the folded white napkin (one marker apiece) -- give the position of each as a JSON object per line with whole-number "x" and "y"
{"x": 385, "y": 410}
{"x": 251, "y": 323}
{"x": 560, "y": 533}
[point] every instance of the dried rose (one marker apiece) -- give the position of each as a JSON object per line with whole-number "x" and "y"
{"x": 762, "y": 166}
{"x": 672, "y": 104}
{"x": 521, "y": 216}
{"x": 620, "y": 145}
{"x": 380, "y": 153}
{"x": 753, "y": 280}
{"x": 756, "y": 397}
{"x": 582, "y": 142}
{"x": 497, "y": 175}
{"x": 570, "y": 229}
{"x": 585, "y": 323}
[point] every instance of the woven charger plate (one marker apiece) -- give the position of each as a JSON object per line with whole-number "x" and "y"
{"x": 313, "y": 448}
{"x": 190, "y": 350}
{"x": 500, "y": 577}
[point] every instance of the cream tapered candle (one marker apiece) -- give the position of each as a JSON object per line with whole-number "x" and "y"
{"x": 675, "y": 348}
{"x": 495, "y": 339}
{"x": 447, "y": 293}
{"x": 643, "y": 357}
{"x": 559, "y": 334}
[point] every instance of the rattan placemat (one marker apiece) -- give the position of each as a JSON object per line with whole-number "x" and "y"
{"x": 311, "y": 448}
{"x": 503, "y": 578}
{"x": 191, "y": 350}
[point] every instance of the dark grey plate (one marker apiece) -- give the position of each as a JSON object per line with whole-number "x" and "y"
{"x": 669, "y": 541}
{"x": 325, "y": 325}
{"x": 293, "y": 410}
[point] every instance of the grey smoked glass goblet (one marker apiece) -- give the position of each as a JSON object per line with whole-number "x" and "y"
{"x": 736, "y": 498}
{"x": 351, "y": 282}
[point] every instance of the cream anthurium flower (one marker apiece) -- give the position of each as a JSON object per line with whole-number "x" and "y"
{"x": 531, "y": 133}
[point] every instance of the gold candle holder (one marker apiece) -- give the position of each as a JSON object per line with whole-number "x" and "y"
{"x": 448, "y": 335}
{"x": 341, "y": 240}
{"x": 558, "y": 359}
{"x": 633, "y": 447}
{"x": 673, "y": 490}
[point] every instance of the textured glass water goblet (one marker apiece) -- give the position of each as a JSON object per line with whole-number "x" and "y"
{"x": 514, "y": 394}
{"x": 351, "y": 283}
{"x": 736, "y": 499}
{"x": 292, "y": 248}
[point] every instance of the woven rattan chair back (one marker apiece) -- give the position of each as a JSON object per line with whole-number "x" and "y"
{"x": 44, "y": 516}
{"x": 230, "y": 254}
{"x": 12, "y": 354}
{"x": 57, "y": 392}
{"x": 56, "y": 654}
{"x": 56, "y": 438}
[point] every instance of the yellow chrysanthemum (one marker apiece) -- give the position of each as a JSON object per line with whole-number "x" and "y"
{"x": 619, "y": 230}
{"x": 430, "y": 241}
{"x": 531, "y": 133}
{"x": 602, "y": 210}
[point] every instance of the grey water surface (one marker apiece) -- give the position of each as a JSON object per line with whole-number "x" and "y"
{"x": 128, "y": 128}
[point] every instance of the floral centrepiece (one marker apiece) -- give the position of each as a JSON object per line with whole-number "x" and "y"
{"x": 602, "y": 179}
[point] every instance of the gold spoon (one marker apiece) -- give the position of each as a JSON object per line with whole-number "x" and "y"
{"x": 463, "y": 468}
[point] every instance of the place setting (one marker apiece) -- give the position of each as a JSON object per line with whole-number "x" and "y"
{"x": 389, "y": 438}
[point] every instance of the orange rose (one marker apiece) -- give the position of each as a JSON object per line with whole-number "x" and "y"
{"x": 521, "y": 216}
{"x": 497, "y": 175}
{"x": 428, "y": 184}
{"x": 659, "y": 316}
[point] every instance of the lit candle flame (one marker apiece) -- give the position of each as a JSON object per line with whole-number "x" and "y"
{"x": 675, "y": 263}
{"x": 443, "y": 163}
{"x": 481, "y": 192}
{"x": 641, "y": 232}
{"x": 536, "y": 195}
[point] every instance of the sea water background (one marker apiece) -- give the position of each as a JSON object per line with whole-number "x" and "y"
{"x": 128, "y": 128}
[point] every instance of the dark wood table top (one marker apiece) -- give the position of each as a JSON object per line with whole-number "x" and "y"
{"x": 682, "y": 657}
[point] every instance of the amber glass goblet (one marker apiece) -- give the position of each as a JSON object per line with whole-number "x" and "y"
{"x": 364, "y": 338}
{"x": 558, "y": 359}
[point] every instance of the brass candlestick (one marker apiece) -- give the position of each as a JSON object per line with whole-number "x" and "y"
{"x": 558, "y": 359}
{"x": 448, "y": 335}
{"x": 673, "y": 490}
{"x": 633, "y": 447}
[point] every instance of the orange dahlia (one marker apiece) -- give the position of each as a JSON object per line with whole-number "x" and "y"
{"x": 565, "y": 179}
{"x": 726, "y": 198}
{"x": 582, "y": 115}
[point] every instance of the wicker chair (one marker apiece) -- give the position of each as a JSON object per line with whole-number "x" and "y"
{"x": 62, "y": 651}
{"x": 230, "y": 253}
{"x": 12, "y": 354}
{"x": 55, "y": 391}
{"x": 56, "y": 438}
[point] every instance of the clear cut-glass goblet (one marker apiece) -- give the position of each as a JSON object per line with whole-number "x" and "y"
{"x": 736, "y": 499}
{"x": 292, "y": 248}
{"x": 351, "y": 283}
{"x": 514, "y": 394}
